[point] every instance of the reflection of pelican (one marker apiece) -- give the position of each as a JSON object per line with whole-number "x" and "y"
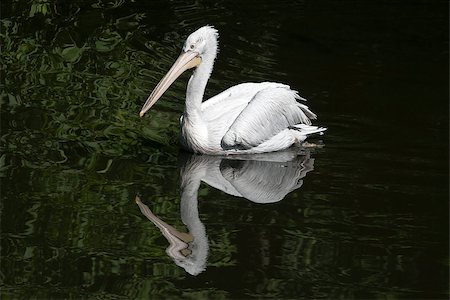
{"x": 246, "y": 118}
{"x": 266, "y": 178}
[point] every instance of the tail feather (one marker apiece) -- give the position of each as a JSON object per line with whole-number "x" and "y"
{"x": 308, "y": 129}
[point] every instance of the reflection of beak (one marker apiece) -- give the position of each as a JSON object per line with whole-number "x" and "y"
{"x": 185, "y": 61}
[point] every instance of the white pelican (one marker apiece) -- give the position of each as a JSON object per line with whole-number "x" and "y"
{"x": 246, "y": 118}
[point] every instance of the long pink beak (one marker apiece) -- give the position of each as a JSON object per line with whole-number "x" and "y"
{"x": 184, "y": 62}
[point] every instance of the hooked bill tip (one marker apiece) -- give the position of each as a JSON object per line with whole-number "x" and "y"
{"x": 141, "y": 114}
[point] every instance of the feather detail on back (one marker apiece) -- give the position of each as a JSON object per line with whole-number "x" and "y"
{"x": 271, "y": 111}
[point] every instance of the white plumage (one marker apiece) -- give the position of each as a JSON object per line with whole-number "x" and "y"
{"x": 246, "y": 118}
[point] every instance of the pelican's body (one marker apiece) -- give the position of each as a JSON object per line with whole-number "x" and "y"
{"x": 246, "y": 118}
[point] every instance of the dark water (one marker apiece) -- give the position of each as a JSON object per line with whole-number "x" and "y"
{"x": 366, "y": 216}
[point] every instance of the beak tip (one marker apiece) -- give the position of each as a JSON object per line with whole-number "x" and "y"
{"x": 141, "y": 114}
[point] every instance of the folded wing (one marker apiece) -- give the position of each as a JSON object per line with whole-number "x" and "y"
{"x": 270, "y": 111}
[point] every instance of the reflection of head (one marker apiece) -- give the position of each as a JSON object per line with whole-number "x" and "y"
{"x": 195, "y": 262}
{"x": 188, "y": 250}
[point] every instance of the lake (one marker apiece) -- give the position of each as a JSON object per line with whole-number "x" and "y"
{"x": 98, "y": 203}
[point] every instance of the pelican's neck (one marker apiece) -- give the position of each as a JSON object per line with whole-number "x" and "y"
{"x": 197, "y": 84}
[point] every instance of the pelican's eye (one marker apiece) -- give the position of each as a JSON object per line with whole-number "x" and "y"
{"x": 192, "y": 46}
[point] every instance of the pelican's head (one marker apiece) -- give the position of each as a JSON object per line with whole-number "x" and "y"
{"x": 200, "y": 46}
{"x": 203, "y": 41}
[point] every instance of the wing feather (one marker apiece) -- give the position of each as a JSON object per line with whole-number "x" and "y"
{"x": 270, "y": 111}
{"x": 220, "y": 111}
